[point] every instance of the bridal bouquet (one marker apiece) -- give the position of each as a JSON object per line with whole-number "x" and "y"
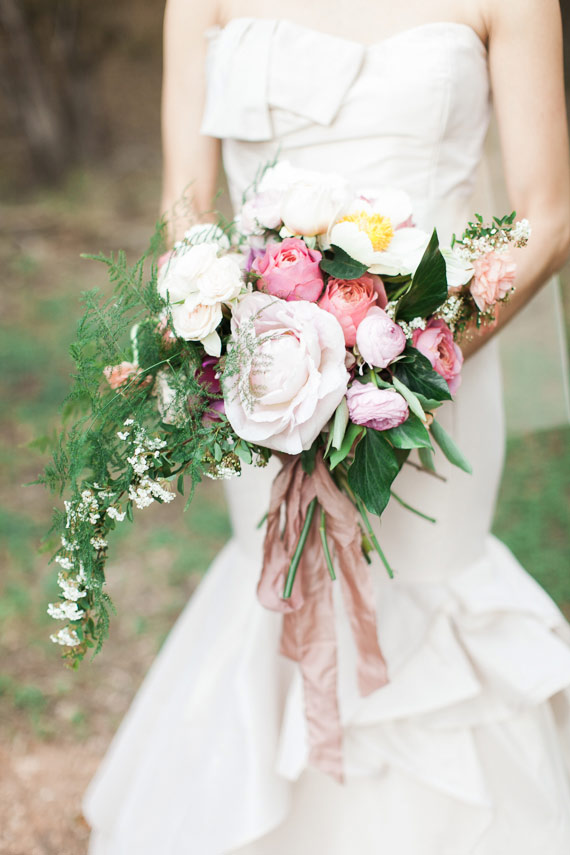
{"x": 321, "y": 324}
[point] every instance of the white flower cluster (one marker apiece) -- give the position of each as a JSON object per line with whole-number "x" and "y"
{"x": 409, "y": 327}
{"x": 66, "y": 636}
{"x": 146, "y": 491}
{"x": 498, "y": 240}
{"x": 451, "y": 310}
{"x": 145, "y": 451}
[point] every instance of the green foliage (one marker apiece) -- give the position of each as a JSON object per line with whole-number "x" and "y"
{"x": 411, "y": 434}
{"x": 374, "y": 468}
{"x": 416, "y": 372}
{"x": 448, "y": 447}
{"x": 428, "y": 289}
{"x": 341, "y": 265}
{"x": 114, "y": 451}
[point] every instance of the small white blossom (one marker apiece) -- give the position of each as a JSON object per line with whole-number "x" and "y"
{"x": 70, "y": 587}
{"x": 66, "y": 636}
{"x": 115, "y": 514}
{"x": 64, "y": 562}
{"x": 98, "y": 542}
{"x": 67, "y": 610}
{"x": 123, "y": 434}
{"x": 128, "y": 422}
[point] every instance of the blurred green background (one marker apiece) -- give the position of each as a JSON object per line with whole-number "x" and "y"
{"x": 80, "y": 172}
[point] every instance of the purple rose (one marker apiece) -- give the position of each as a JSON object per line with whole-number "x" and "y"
{"x": 380, "y": 409}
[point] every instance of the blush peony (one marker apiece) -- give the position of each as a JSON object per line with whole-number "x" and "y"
{"x": 379, "y": 339}
{"x": 289, "y": 374}
{"x": 349, "y": 300}
{"x": 290, "y": 270}
{"x": 436, "y": 343}
{"x": 380, "y": 409}
{"x": 494, "y": 276}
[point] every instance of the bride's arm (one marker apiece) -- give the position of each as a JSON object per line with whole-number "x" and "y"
{"x": 190, "y": 161}
{"x": 526, "y": 67}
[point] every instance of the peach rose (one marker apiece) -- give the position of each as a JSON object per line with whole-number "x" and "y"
{"x": 380, "y": 409}
{"x": 350, "y": 299}
{"x": 119, "y": 375}
{"x": 290, "y": 270}
{"x": 436, "y": 343}
{"x": 494, "y": 277}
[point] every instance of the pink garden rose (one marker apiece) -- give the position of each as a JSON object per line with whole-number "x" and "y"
{"x": 119, "y": 375}
{"x": 349, "y": 300}
{"x": 436, "y": 343}
{"x": 380, "y": 409}
{"x": 494, "y": 277}
{"x": 379, "y": 339}
{"x": 291, "y": 382}
{"x": 290, "y": 270}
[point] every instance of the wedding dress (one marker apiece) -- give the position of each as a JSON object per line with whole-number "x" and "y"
{"x": 464, "y": 750}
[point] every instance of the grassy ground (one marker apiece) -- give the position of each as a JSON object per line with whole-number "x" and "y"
{"x": 56, "y": 724}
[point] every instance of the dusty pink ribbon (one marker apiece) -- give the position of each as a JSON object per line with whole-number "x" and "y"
{"x": 309, "y": 635}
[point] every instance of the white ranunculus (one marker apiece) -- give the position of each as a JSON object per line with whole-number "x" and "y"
{"x": 313, "y": 202}
{"x": 221, "y": 281}
{"x": 207, "y": 233}
{"x": 459, "y": 272}
{"x": 375, "y": 233}
{"x": 195, "y": 321}
{"x": 178, "y": 278}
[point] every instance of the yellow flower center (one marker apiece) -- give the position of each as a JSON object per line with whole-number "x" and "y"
{"x": 378, "y": 228}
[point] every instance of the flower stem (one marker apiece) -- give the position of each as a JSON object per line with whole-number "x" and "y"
{"x": 299, "y": 549}
{"x": 410, "y": 508}
{"x": 324, "y": 541}
{"x": 372, "y": 536}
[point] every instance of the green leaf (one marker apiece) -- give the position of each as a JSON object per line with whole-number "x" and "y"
{"x": 374, "y": 468}
{"x": 426, "y": 459}
{"x": 218, "y": 454}
{"x": 413, "y": 402}
{"x": 411, "y": 434}
{"x": 417, "y": 374}
{"x": 339, "y": 424}
{"x": 342, "y": 265}
{"x": 353, "y": 432}
{"x": 429, "y": 285}
{"x": 180, "y": 484}
{"x": 449, "y": 448}
{"x": 308, "y": 459}
{"x": 243, "y": 452}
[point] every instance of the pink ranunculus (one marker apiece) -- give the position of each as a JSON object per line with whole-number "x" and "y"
{"x": 380, "y": 409}
{"x": 494, "y": 277}
{"x": 290, "y": 382}
{"x": 290, "y": 270}
{"x": 119, "y": 375}
{"x": 436, "y": 343}
{"x": 349, "y": 300}
{"x": 379, "y": 339}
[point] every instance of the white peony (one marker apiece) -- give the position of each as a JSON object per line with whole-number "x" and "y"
{"x": 375, "y": 233}
{"x": 459, "y": 271}
{"x": 291, "y": 382}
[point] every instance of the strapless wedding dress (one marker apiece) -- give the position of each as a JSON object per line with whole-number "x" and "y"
{"x": 464, "y": 750}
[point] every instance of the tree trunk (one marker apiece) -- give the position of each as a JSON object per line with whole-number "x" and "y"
{"x": 40, "y": 111}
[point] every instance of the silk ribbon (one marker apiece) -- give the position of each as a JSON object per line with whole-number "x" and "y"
{"x": 308, "y": 635}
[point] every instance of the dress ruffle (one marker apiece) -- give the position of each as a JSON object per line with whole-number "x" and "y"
{"x": 479, "y": 668}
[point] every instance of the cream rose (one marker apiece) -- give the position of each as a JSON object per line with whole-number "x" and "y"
{"x": 194, "y": 320}
{"x": 198, "y": 270}
{"x": 286, "y": 387}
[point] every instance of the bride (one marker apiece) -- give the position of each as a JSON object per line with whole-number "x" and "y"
{"x": 467, "y": 749}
